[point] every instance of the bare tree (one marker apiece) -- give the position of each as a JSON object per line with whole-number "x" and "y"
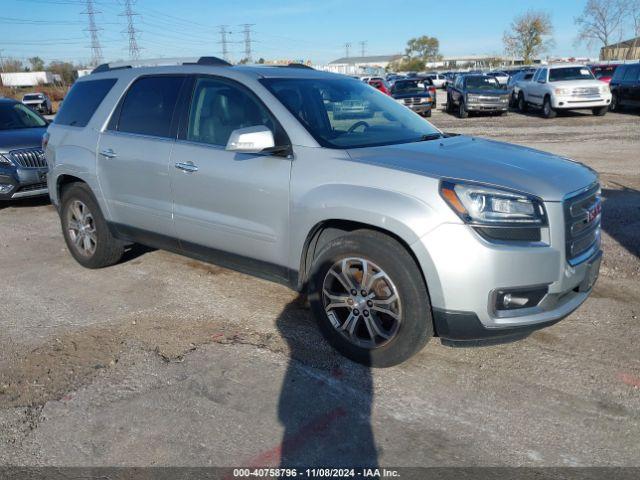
{"x": 600, "y": 20}
{"x": 529, "y": 35}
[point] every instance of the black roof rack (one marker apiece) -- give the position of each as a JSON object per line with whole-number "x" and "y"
{"x": 298, "y": 65}
{"x": 214, "y": 61}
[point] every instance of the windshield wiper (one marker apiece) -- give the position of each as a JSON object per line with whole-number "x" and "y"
{"x": 430, "y": 136}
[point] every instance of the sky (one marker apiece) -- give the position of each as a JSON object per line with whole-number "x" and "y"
{"x": 285, "y": 29}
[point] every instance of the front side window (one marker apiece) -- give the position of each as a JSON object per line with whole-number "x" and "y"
{"x": 148, "y": 106}
{"x": 570, "y": 73}
{"x": 632, "y": 73}
{"x": 343, "y": 113}
{"x": 220, "y": 107}
{"x": 16, "y": 115}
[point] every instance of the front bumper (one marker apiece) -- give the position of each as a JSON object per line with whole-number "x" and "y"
{"x": 465, "y": 272}
{"x": 23, "y": 182}
{"x": 575, "y": 103}
{"x": 487, "y": 107}
{"x": 420, "y": 108}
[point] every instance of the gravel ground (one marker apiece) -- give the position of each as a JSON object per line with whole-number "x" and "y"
{"x": 162, "y": 360}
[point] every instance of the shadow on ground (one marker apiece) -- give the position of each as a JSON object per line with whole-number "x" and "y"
{"x": 325, "y": 401}
{"x": 621, "y": 217}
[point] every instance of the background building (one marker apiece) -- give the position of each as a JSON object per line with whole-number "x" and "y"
{"x": 369, "y": 65}
{"x": 627, "y": 50}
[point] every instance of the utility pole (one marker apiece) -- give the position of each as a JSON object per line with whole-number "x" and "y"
{"x": 224, "y": 41}
{"x": 1, "y": 61}
{"x": 134, "y": 49}
{"x": 96, "y": 49}
{"x": 363, "y": 46}
{"x": 247, "y": 40}
{"x": 347, "y": 46}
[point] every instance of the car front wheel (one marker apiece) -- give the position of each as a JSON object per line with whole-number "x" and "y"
{"x": 370, "y": 300}
{"x": 522, "y": 104}
{"x": 462, "y": 110}
{"x": 547, "y": 110}
{"x": 85, "y": 230}
{"x": 600, "y": 112}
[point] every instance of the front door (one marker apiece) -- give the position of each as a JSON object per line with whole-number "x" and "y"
{"x": 134, "y": 154}
{"x": 234, "y": 204}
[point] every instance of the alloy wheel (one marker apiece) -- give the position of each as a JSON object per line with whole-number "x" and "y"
{"x": 81, "y": 228}
{"x": 362, "y": 302}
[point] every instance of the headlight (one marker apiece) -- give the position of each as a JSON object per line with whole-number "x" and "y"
{"x": 562, "y": 91}
{"x": 481, "y": 205}
{"x": 5, "y": 160}
{"x": 604, "y": 89}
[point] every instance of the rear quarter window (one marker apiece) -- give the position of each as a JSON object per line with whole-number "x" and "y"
{"x": 82, "y": 102}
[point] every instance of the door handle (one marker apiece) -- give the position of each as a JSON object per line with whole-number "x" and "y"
{"x": 187, "y": 167}
{"x": 108, "y": 153}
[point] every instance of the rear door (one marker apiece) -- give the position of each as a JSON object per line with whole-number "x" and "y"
{"x": 633, "y": 86}
{"x": 133, "y": 156}
{"x": 225, "y": 201}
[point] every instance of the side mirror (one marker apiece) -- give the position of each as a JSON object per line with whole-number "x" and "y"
{"x": 250, "y": 140}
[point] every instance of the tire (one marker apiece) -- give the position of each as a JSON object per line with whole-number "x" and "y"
{"x": 427, "y": 113}
{"x": 522, "y": 104}
{"x": 101, "y": 249}
{"x": 600, "y": 111}
{"x": 462, "y": 110}
{"x": 614, "y": 106}
{"x": 547, "y": 109}
{"x": 403, "y": 338}
{"x": 504, "y": 113}
{"x": 448, "y": 107}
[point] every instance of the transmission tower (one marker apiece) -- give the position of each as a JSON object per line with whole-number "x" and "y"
{"x": 224, "y": 40}
{"x": 96, "y": 49}
{"x": 363, "y": 47}
{"x": 347, "y": 46}
{"x": 134, "y": 49}
{"x": 247, "y": 40}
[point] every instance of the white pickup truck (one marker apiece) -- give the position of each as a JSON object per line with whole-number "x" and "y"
{"x": 564, "y": 87}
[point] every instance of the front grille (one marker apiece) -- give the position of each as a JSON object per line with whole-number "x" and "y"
{"x": 32, "y": 187}
{"x": 582, "y": 215}
{"x": 585, "y": 91}
{"x": 29, "y": 158}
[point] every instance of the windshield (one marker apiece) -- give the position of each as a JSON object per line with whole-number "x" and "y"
{"x": 407, "y": 86}
{"x": 570, "y": 73}
{"x": 481, "y": 83}
{"x": 606, "y": 71}
{"x": 348, "y": 114}
{"x": 16, "y": 115}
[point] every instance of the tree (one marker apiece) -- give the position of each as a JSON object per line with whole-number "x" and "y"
{"x": 600, "y": 20}
{"x": 12, "y": 65}
{"x": 424, "y": 48}
{"x": 37, "y": 64}
{"x": 529, "y": 35}
{"x": 407, "y": 65}
{"x": 66, "y": 70}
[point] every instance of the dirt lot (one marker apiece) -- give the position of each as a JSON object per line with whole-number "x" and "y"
{"x": 162, "y": 360}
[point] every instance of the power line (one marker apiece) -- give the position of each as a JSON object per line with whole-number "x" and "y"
{"x": 224, "y": 41}
{"x": 134, "y": 49}
{"x": 347, "y": 46}
{"x": 96, "y": 49}
{"x": 247, "y": 40}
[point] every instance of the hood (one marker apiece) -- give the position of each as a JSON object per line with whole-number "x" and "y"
{"x": 21, "y": 138}
{"x": 524, "y": 169}
{"x": 411, "y": 95}
{"x": 576, "y": 83}
{"x": 494, "y": 92}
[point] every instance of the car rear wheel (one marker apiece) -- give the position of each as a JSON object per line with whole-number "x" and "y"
{"x": 369, "y": 299}
{"x": 547, "y": 109}
{"x": 85, "y": 230}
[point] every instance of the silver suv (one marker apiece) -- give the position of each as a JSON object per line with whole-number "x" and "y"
{"x": 396, "y": 230}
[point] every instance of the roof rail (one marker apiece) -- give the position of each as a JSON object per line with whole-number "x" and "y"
{"x": 157, "y": 62}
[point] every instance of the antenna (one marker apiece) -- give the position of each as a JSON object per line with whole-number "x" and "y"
{"x": 247, "y": 40}
{"x": 347, "y": 46}
{"x": 96, "y": 49}
{"x": 134, "y": 49}
{"x": 224, "y": 41}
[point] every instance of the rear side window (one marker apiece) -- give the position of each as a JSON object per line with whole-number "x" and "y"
{"x": 82, "y": 102}
{"x": 148, "y": 107}
{"x": 619, "y": 73}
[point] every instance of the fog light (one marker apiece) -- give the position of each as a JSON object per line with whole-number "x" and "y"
{"x": 519, "y": 298}
{"x": 5, "y": 187}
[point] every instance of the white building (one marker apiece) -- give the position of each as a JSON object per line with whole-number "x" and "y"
{"x": 84, "y": 71}
{"x": 29, "y": 79}
{"x": 370, "y": 65}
